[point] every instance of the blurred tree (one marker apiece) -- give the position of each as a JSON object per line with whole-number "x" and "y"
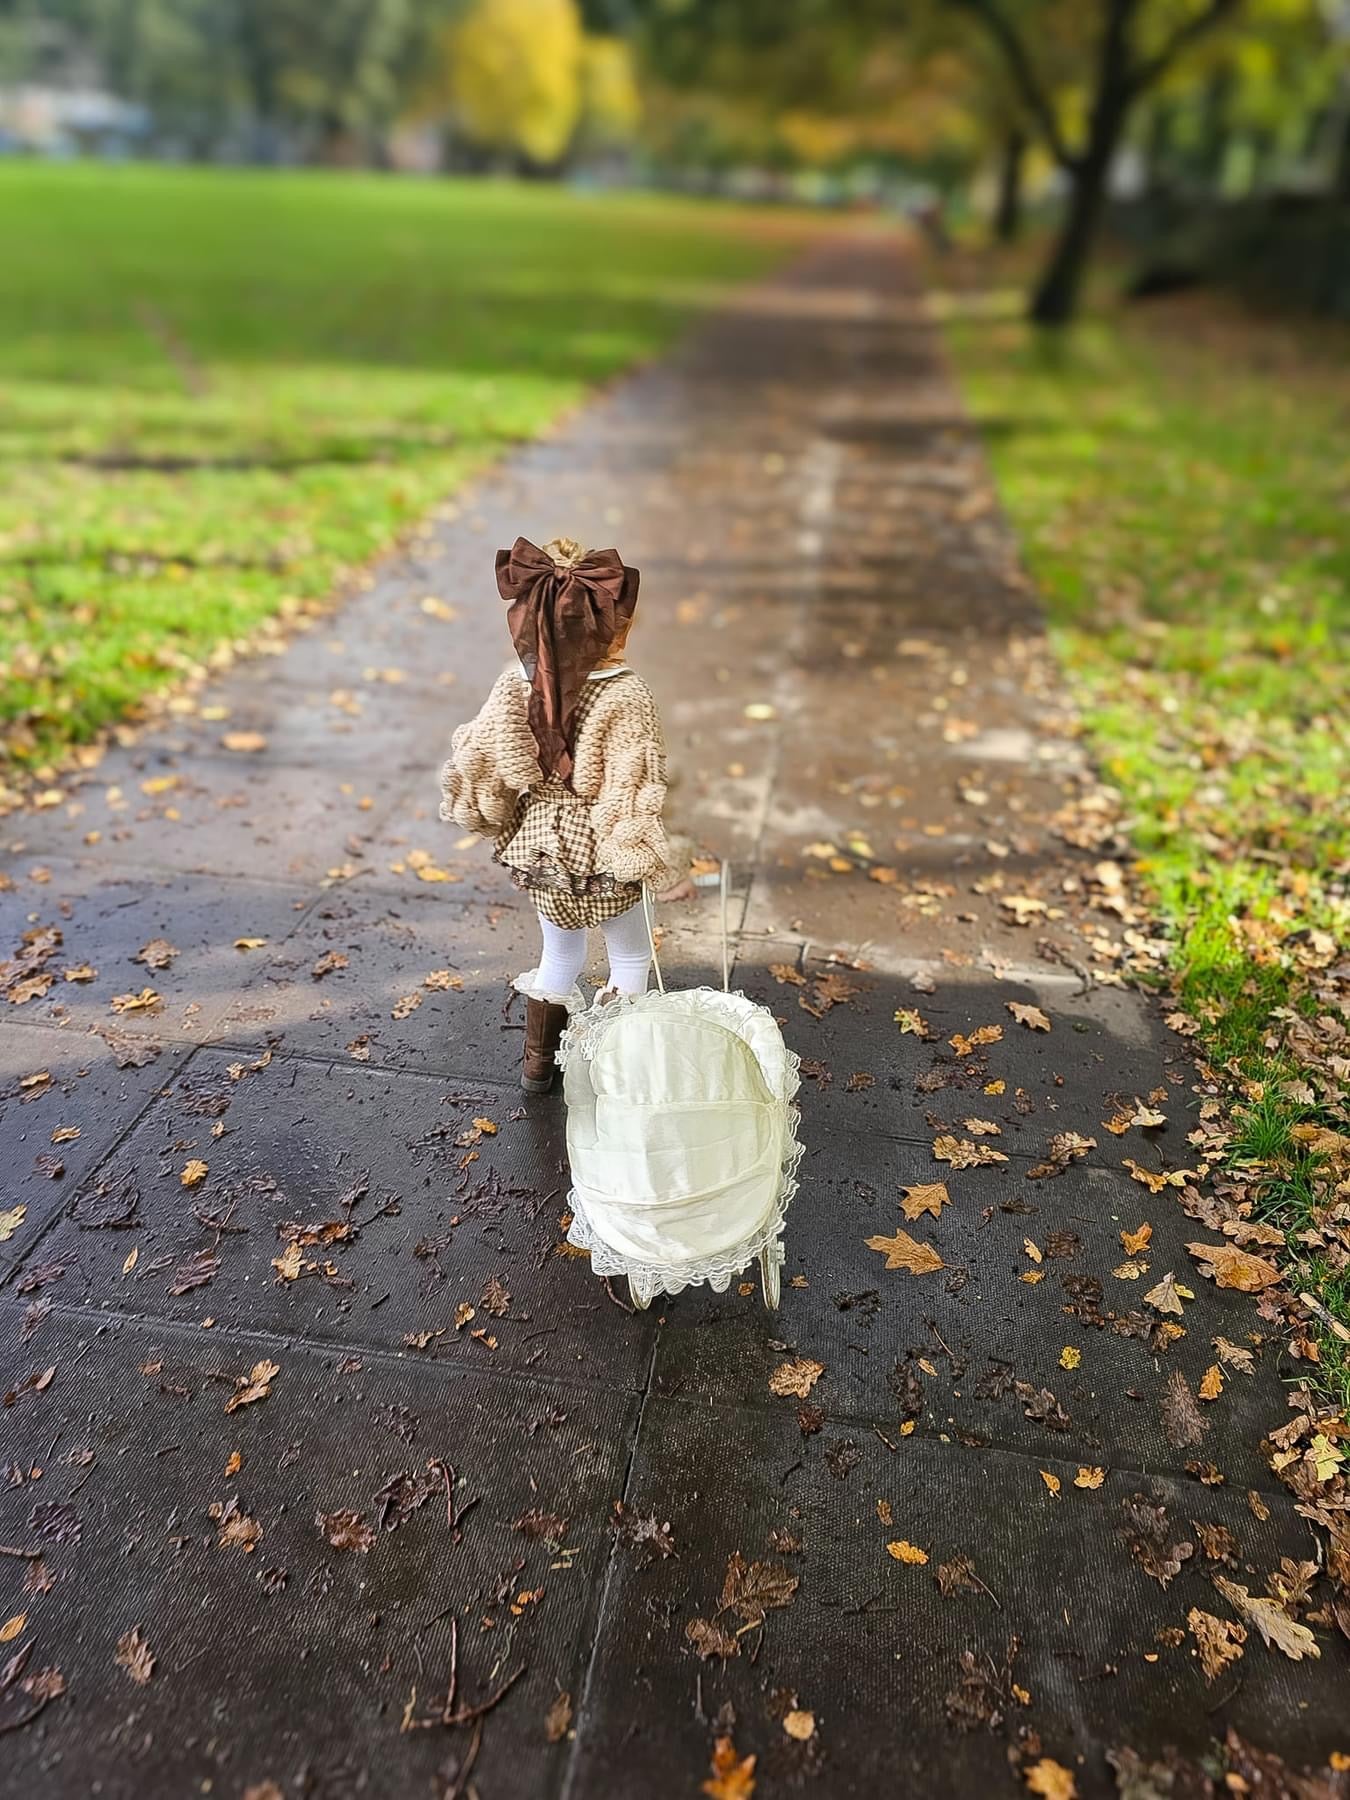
{"x": 611, "y": 103}
{"x": 511, "y": 73}
{"x": 1123, "y": 48}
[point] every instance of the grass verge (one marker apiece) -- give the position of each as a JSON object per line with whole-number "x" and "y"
{"x": 1178, "y": 480}
{"x": 219, "y": 390}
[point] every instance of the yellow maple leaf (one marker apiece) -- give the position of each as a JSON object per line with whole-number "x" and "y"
{"x": 904, "y": 1252}
{"x": 906, "y": 1552}
{"x": 1089, "y": 1477}
{"x": 1070, "y": 1357}
{"x": 927, "y": 1197}
{"x": 1051, "y": 1780}
{"x": 194, "y": 1172}
{"x": 733, "y": 1776}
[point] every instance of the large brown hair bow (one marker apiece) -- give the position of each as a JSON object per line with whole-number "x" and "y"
{"x": 563, "y": 616}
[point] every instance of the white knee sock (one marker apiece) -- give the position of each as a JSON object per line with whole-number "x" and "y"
{"x": 629, "y": 950}
{"x": 561, "y": 961}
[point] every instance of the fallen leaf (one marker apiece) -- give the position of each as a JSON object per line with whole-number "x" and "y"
{"x": 328, "y": 964}
{"x": 797, "y": 1377}
{"x": 982, "y": 1128}
{"x": 1134, "y": 1241}
{"x": 249, "y": 943}
{"x": 927, "y": 1197}
{"x": 12, "y": 1628}
{"x": 983, "y": 1034}
{"x": 256, "y": 1385}
{"x": 906, "y": 1552}
{"x": 1152, "y": 1539}
{"x": 1089, "y": 1477}
{"x": 346, "y": 1530}
{"x": 800, "y": 1725}
{"x": 1070, "y": 1357}
{"x": 146, "y": 1001}
{"x": 1218, "y": 1641}
{"x": 245, "y": 743}
{"x": 441, "y": 980}
{"x": 711, "y": 1639}
{"x": 1211, "y": 1383}
{"x": 787, "y": 975}
{"x": 753, "y": 1589}
{"x": 733, "y": 1777}
{"x": 405, "y": 1007}
{"x": 1278, "y": 1630}
{"x": 135, "y": 1656}
{"x": 1052, "y": 1482}
{"x": 194, "y": 1173}
{"x": 1030, "y": 1016}
{"x": 912, "y": 1023}
{"x": 558, "y": 1718}
{"x": 904, "y": 1252}
{"x": 962, "y": 1154}
{"x": 157, "y": 954}
{"x": 1166, "y": 1297}
{"x": 10, "y": 1221}
{"x": 1051, "y": 1780}
{"x": 1156, "y": 1181}
{"x": 1234, "y": 1268}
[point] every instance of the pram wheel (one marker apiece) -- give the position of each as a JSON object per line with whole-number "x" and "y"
{"x": 770, "y": 1274}
{"x": 639, "y": 1295}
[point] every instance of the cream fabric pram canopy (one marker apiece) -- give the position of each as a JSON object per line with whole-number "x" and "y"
{"x": 681, "y": 1133}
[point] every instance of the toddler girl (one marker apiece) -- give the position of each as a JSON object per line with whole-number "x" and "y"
{"x": 564, "y": 767}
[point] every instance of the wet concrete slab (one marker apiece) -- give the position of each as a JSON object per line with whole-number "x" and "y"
{"x": 871, "y": 1646}
{"x": 271, "y": 1655}
{"x": 977, "y": 1350}
{"x": 64, "y": 1102}
{"x": 404, "y": 1197}
{"x": 196, "y": 946}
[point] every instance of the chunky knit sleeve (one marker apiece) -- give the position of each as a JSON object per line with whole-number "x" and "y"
{"x": 493, "y": 760}
{"x": 621, "y": 768}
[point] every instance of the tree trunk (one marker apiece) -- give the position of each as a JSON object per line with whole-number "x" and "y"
{"x": 1056, "y": 297}
{"x": 1008, "y": 213}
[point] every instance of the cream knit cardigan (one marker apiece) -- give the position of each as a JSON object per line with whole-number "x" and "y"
{"x": 618, "y": 769}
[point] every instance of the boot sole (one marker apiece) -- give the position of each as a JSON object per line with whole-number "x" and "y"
{"x": 534, "y": 1084}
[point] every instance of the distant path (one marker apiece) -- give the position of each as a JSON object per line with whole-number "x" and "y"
{"x": 863, "y": 717}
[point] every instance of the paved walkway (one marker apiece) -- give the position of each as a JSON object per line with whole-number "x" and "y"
{"x": 972, "y": 1541}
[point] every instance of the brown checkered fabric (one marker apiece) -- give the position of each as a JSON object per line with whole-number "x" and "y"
{"x": 549, "y": 846}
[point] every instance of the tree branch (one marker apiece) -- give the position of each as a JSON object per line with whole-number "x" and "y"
{"x": 1025, "y": 79}
{"x": 1153, "y": 68}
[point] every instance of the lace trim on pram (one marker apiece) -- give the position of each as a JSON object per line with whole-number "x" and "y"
{"x": 718, "y": 1271}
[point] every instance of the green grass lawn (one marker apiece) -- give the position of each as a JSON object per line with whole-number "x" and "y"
{"x": 221, "y": 389}
{"x": 1179, "y": 479}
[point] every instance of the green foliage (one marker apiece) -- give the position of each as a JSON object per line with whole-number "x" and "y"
{"x": 218, "y": 391}
{"x": 1180, "y": 496}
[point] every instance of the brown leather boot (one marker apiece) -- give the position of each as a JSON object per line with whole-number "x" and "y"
{"x": 544, "y": 1024}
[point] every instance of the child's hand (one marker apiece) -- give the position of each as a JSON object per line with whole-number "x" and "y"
{"x": 682, "y": 890}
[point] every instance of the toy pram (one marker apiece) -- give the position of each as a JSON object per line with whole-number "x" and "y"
{"x": 681, "y": 1134}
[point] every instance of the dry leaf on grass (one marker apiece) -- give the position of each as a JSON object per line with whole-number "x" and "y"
{"x": 1030, "y": 1016}
{"x": 1234, "y": 1268}
{"x": 904, "y": 1252}
{"x": 796, "y": 1378}
{"x": 926, "y": 1197}
{"x": 1278, "y": 1630}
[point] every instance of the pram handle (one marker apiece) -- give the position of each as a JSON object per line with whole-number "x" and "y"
{"x": 724, "y": 891}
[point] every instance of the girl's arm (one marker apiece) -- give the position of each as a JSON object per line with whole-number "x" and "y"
{"x": 492, "y": 761}
{"x": 631, "y": 780}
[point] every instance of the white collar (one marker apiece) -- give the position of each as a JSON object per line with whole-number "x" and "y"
{"x": 595, "y": 674}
